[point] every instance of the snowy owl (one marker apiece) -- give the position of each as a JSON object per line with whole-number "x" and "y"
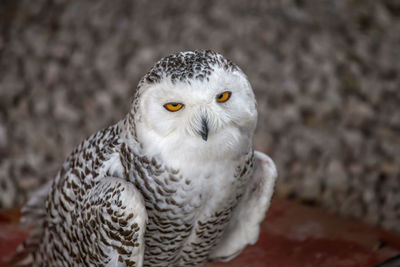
{"x": 174, "y": 183}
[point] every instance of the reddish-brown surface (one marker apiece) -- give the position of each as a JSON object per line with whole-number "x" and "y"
{"x": 297, "y": 236}
{"x": 11, "y": 234}
{"x": 292, "y": 235}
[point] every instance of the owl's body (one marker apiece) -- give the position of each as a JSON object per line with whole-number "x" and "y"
{"x": 162, "y": 187}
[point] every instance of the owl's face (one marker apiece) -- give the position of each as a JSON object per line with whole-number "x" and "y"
{"x": 200, "y": 119}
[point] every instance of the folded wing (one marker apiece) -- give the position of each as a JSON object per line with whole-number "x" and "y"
{"x": 244, "y": 226}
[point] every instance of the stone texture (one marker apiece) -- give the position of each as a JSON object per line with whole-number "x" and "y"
{"x": 326, "y": 75}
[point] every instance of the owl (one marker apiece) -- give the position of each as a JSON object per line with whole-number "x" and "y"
{"x": 176, "y": 182}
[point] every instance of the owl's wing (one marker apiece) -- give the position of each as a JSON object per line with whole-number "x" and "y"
{"x": 119, "y": 221}
{"x": 112, "y": 233}
{"x": 244, "y": 226}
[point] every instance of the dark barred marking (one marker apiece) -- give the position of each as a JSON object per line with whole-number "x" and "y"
{"x": 186, "y": 66}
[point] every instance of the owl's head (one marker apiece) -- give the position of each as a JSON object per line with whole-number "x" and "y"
{"x": 194, "y": 105}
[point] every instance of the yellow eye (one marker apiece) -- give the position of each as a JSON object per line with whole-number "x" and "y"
{"x": 173, "y": 106}
{"x": 223, "y": 97}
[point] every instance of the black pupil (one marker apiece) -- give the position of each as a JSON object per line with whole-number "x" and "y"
{"x": 175, "y": 104}
{"x": 221, "y": 96}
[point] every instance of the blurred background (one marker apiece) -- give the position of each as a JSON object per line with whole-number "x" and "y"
{"x": 326, "y": 75}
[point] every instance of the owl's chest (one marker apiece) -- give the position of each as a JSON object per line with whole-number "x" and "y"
{"x": 187, "y": 193}
{"x": 187, "y": 210}
{"x": 188, "y": 188}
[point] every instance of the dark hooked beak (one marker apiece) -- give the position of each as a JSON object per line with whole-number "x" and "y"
{"x": 204, "y": 129}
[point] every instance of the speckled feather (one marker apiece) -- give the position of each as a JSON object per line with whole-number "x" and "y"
{"x": 188, "y": 66}
{"x": 115, "y": 204}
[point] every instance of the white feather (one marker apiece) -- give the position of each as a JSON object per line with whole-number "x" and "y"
{"x": 244, "y": 226}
